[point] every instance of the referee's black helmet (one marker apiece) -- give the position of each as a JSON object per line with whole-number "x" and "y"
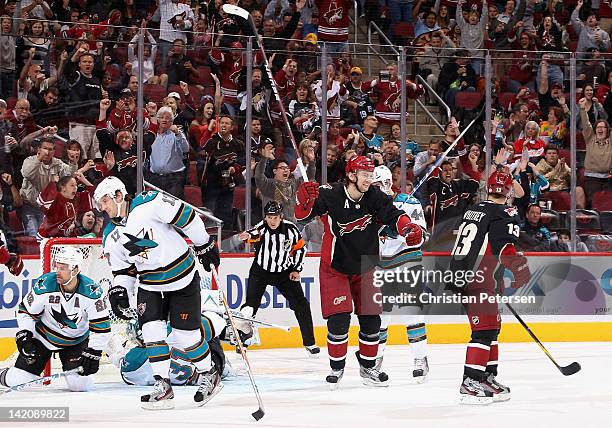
{"x": 273, "y": 208}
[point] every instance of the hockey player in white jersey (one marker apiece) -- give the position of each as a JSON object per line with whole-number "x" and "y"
{"x": 64, "y": 313}
{"x": 395, "y": 253}
{"x": 144, "y": 247}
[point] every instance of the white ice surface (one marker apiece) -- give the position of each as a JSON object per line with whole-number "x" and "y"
{"x": 296, "y": 396}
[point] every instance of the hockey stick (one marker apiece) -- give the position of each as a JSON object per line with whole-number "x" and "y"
{"x": 443, "y": 156}
{"x": 239, "y": 316}
{"x": 242, "y": 13}
{"x": 565, "y": 370}
{"x": 40, "y": 380}
{"x": 259, "y": 413}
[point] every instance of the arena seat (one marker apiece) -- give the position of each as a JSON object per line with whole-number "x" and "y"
{"x": 587, "y": 222}
{"x": 602, "y": 201}
{"x": 193, "y": 195}
{"x": 551, "y": 219}
{"x": 561, "y": 201}
{"x": 468, "y": 100}
{"x": 155, "y": 93}
{"x": 606, "y": 221}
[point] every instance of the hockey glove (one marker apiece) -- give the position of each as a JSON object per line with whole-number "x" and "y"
{"x": 90, "y": 361}
{"x": 517, "y": 264}
{"x": 307, "y": 194}
{"x": 411, "y": 231}
{"x": 12, "y": 261}
{"x": 119, "y": 301}
{"x": 27, "y": 346}
{"x": 208, "y": 254}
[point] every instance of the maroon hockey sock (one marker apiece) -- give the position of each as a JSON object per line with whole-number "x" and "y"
{"x": 493, "y": 356}
{"x": 476, "y": 359}
{"x": 337, "y": 346}
{"x": 368, "y": 349}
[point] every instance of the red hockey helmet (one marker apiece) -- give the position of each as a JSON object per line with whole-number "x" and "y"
{"x": 360, "y": 163}
{"x": 500, "y": 183}
{"x": 236, "y": 45}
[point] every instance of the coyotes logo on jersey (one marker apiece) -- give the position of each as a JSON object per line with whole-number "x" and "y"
{"x": 358, "y": 224}
{"x": 334, "y": 13}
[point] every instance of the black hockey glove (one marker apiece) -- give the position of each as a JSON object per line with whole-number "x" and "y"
{"x": 27, "y": 346}
{"x": 208, "y": 254}
{"x": 119, "y": 300}
{"x": 90, "y": 361}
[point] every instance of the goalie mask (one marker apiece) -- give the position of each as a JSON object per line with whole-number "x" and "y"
{"x": 382, "y": 175}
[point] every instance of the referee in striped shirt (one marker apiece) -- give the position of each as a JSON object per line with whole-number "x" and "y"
{"x": 279, "y": 257}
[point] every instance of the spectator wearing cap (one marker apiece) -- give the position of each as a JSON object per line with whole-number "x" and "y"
{"x": 38, "y": 171}
{"x": 598, "y": 159}
{"x": 457, "y": 76}
{"x": 553, "y": 97}
{"x": 174, "y": 19}
{"x": 223, "y": 158}
{"x": 178, "y": 66}
{"x": 358, "y": 105}
{"x": 590, "y": 34}
{"x": 83, "y": 95}
{"x": 593, "y": 68}
{"x": 166, "y": 167}
{"x": 558, "y": 174}
{"x": 183, "y": 109}
{"x": 308, "y": 58}
{"x": 8, "y": 41}
{"x": 283, "y": 186}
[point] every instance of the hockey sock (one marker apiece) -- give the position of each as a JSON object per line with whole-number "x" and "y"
{"x": 417, "y": 338}
{"x": 337, "y": 339}
{"x": 477, "y": 354}
{"x": 199, "y": 352}
{"x": 159, "y": 357}
{"x": 493, "y": 356}
{"x": 368, "y": 339}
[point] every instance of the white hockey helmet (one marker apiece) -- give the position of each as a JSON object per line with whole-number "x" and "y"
{"x": 382, "y": 175}
{"x": 71, "y": 256}
{"x": 109, "y": 187}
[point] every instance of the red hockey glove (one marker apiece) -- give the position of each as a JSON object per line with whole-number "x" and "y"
{"x": 411, "y": 231}
{"x": 12, "y": 261}
{"x": 517, "y": 264}
{"x": 307, "y": 194}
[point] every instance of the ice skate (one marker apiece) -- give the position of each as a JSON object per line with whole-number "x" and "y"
{"x": 162, "y": 397}
{"x": 372, "y": 376}
{"x": 500, "y": 392}
{"x": 209, "y": 387}
{"x": 474, "y": 392}
{"x": 313, "y": 351}
{"x": 334, "y": 378}
{"x": 421, "y": 369}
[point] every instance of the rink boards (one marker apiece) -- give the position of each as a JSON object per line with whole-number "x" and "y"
{"x": 574, "y": 293}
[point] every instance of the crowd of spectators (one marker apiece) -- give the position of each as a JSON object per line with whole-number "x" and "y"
{"x": 69, "y": 79}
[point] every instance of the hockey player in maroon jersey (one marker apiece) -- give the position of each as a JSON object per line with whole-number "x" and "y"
{"x": 485, "y": 246}
{"x": 352, "y": 214}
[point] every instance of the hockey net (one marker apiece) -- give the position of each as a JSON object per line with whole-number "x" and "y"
{"x": 96, "y": 267}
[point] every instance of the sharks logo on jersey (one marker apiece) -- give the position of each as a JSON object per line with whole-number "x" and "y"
{"x": 139, "y": 246}
{"x": 65, "y": 320}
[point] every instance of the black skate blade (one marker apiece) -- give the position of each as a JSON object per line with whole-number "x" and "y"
{"x": 571, "y": 369}
{"x": 258, "y": 414}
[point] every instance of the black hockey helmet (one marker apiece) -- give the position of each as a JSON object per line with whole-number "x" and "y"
{"x": 273, "y": 208}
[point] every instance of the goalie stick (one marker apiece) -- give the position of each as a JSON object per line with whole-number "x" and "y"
{"x": 565, "y": 370}
{"x": 244, "y": 14}
{"x": 237, "y": 315}
{"x": 259, "y": 413}
{"x": 41, "y": 380}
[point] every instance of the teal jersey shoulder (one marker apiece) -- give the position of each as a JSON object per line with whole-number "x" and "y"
{"x": 142, "y": 199}
{"x": 47, "y": 283}
{"x": 89, "y": 288}
{"x": 404, "y": 198}
{"x": 107, "y": 231}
